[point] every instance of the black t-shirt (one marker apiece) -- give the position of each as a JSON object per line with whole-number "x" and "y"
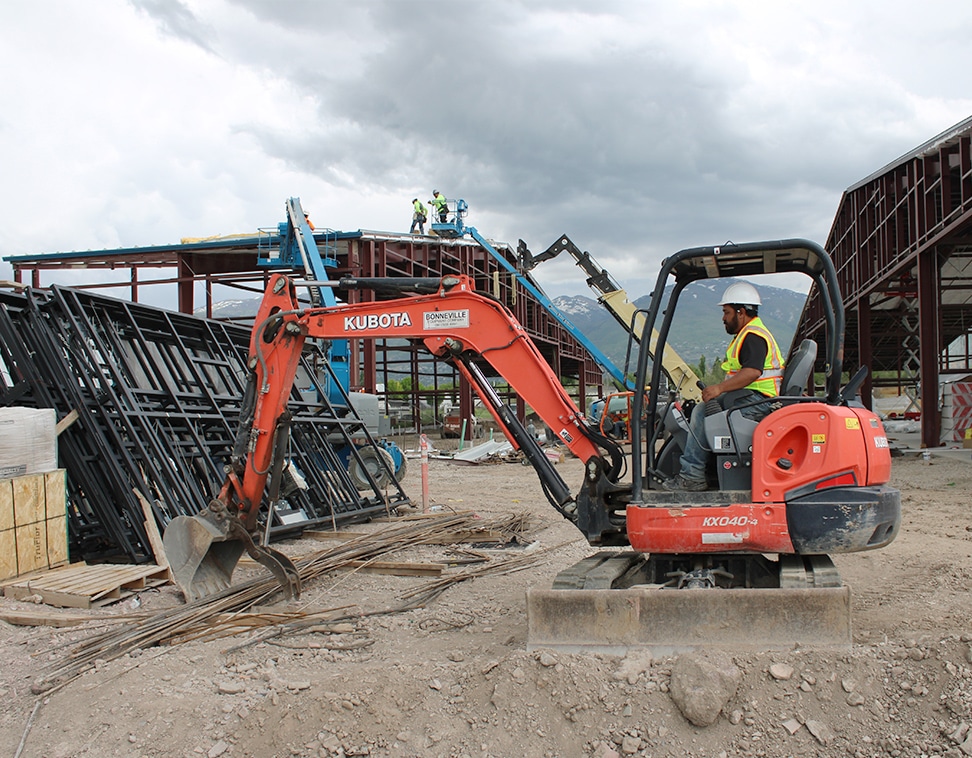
{"x": 752, "y": 352}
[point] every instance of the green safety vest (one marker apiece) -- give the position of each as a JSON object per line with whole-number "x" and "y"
{"x": 419, "y": 208}
{"x": 439, "y": 203}
{"x": 772, "y": 377}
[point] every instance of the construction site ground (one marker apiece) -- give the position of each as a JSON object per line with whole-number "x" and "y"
{"x": 455, "y": 679}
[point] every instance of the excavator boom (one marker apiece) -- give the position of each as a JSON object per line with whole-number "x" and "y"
{"x": 632, "y": 319}
{"x": 455, "y": 323}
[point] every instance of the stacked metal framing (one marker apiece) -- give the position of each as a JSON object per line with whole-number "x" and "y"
{"x": 158, "y": 398}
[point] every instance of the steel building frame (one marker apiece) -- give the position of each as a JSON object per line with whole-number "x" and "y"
{"x": 236, "y": 262}
{"x": 902, "y": 244}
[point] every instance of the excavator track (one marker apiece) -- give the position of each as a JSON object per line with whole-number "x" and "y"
{"x": 613, "y": 602}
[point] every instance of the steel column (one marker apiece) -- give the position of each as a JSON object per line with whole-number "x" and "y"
{"x": 185, "y": 286}
{"x": 929, "y": 312}
{"x": 864, "y": 352}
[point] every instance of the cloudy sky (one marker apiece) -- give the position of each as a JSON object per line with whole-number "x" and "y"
{"x": 637, "y": 127}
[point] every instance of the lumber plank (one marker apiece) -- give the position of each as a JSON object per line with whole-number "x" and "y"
{"x": 65, "y": 423}
{"x": 49, "y": 596}
{"x": 396, "y": 568}
{"x": 325, "y": 536}
{"x": 109, "y": 593}
{"x": 152, "y": 530}
{"x": 42, "y": 618}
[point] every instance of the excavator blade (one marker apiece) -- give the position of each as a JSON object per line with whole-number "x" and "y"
{"x": 673, "y": 621}
{"x": 587, "y": 612}
{"x": 203, "y": 551}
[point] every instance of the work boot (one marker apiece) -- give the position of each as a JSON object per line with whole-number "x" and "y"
{"x": 680, "y": 483}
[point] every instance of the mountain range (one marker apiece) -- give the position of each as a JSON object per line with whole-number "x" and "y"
{"x": 697, "y": 330}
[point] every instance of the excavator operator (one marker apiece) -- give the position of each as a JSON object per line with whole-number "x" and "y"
{"x": 754, "y": 371}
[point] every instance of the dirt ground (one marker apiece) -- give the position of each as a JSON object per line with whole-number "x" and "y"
{"x": 454, "y": 678}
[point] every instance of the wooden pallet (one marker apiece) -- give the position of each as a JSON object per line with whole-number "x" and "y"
{"x": 80, "y": 585}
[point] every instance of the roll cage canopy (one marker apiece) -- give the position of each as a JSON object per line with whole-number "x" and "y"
{"x": 740, "y": 261}
{"x": 754, "y": 259}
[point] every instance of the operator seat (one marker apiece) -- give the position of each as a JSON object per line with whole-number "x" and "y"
{"x": 731, "y": 433}
{"x": 798, "y": 369}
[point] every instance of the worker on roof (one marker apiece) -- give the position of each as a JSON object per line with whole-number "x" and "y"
{"x": 441, "y": 206}
{"x": 754, "y": 372}
{"x": 419, "y": 215}
{"x": 309, "y": 222}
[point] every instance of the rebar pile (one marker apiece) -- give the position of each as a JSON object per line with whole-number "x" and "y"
{"x": 220, "y": 614}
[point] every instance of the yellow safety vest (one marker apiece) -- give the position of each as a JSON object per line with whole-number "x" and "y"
{"x": 772, "y": 377}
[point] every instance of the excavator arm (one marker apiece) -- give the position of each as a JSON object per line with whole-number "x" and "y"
{"x": 455, "y": 323}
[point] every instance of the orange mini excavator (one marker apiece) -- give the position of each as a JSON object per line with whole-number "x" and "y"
{"x": 807, "y": 481}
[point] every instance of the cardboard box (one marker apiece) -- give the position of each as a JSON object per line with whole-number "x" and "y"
{"x": 33, "y": 523}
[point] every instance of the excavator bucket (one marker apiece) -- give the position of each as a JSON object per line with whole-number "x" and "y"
{"x": 200, "y": 565}
{"x": 203, "y": 551}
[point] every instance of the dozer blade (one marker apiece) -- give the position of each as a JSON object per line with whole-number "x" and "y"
{"x": 587, "y": 612}
{"x": 668, "y": 621}
{"x": 203, "y": 551}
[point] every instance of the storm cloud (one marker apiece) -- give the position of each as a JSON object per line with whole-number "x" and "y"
{"x": 637, "y": 128}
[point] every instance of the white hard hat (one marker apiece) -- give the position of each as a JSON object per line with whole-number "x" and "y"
{"x": 740, "y": 293}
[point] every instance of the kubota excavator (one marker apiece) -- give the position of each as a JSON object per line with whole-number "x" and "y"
{"x": 807, "y": 481}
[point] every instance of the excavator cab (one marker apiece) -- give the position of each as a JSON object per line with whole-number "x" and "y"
{"x": 794, "y": 471}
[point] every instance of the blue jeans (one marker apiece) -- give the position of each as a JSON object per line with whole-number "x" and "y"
{"x": 695, "y": 457}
